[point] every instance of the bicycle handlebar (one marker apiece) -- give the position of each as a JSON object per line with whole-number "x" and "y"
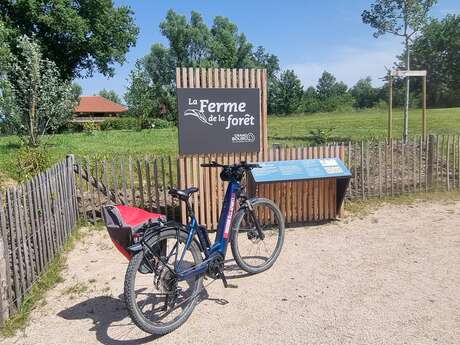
{"x": 242, "y": 164}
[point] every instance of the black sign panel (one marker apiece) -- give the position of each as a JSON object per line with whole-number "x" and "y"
{"x": 218, "y": 120}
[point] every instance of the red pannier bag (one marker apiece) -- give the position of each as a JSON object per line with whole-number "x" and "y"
{"x": 124, "y": 223}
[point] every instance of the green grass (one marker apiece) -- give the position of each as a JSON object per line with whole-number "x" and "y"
{"x": 47, "y": 280}
{"x": 358, "y": 125}
{"x": 294, "y": 129}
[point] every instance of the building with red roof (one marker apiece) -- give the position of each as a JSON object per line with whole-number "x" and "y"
{"x": 97, "y": 109}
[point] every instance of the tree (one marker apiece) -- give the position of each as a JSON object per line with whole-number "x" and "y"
{"x": 364, "y": 94}
{"x": 403, "y": 18}
{"x": 328, "y": 87}
{"x": 437, "y": 50}
{"x": 76, "y": 91}
{"x": 79, "y": 36}
{"x": 36, "y": 101}
{"x": 287, "y": 93}
{"x": 5, "y": 53}
{"x": 110, "y": 95}
{"x": 191, "y": 44}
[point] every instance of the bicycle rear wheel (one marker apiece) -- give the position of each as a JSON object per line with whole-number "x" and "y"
{"x": 157, "y": 303}
{"x": 252, "y": 253}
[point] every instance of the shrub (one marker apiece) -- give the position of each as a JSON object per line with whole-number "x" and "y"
{"x": 133, "y": 123}
{"x": 320, "y": 135}
{"x": 72, "y": 127}
{"x": 90, "y": 126}
{"x": 30, "y": 161}
{"x": 157, "y": 123}
{"x": 120, "y": 123}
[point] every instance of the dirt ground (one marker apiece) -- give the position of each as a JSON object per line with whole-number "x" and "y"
{"x": 392, "y": 277}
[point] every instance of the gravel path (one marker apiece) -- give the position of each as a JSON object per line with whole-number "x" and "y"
{"x": 390, "y": 278}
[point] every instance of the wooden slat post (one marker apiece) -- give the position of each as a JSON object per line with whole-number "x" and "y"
{"x": 430, "y": 161}
{"x": 4, "y": 272}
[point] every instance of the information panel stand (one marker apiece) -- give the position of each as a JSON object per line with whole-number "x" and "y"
{"x": 318, "y": 186}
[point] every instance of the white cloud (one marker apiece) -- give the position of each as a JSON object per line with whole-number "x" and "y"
{"x": 350, "y": 64}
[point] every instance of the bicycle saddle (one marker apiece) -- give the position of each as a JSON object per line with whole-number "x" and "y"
{"x": 182, "y": 194}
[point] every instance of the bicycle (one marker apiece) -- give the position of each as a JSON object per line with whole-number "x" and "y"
{"x": 172, "y": 260}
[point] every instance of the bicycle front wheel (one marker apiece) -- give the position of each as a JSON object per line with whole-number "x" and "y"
{"x": 253, "y": 253}
{"x": 158, "y": 303}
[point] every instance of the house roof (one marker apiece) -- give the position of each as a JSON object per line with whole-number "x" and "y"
{"x": 98, "y": 104}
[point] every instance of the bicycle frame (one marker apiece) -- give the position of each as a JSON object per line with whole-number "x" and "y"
{"x": 219, "y": 247}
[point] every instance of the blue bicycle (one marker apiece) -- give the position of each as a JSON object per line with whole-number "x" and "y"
{"x": 165, "y": 275}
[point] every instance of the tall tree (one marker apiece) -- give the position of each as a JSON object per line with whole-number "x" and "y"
{"x": 76, "y": 90}
{"x": 364, "y": 94}
{"x": 111, "y": 95}
{"x": 328, "y": 86}
{"x": 403, "y": 18}
{"x": 36, "y": 101}
{"x": 191, "y": 44}
{"x": 5, "y": 53}
{"x": 437, "y": 50}
{"x": 79, "y": 36}
{"x": 287, "y": 93}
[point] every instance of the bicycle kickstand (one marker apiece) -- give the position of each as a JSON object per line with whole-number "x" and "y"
{"x": 224, "y": 280}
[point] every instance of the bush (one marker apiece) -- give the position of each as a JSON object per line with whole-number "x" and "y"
{"x": 90, "y": 126}
{"x": 320, "y": 135}
{"x": 157, "y": 123}
{"x": 72, "y": 127}
{"x": 133, "y": 123}
{"x": 30, "y": 161}
{"x": 120, "y": 123}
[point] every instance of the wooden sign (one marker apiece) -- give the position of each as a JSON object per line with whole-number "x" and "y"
{"x": 404, "y": 73}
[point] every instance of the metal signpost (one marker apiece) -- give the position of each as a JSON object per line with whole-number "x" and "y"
{"x": 218, "y": 120}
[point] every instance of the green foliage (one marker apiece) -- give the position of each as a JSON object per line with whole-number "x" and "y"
{"x": 30, "y": 161}
{"x": 437, "y": 49}
{"x": 287, "y": 93}
{"x": 364, "y": 94}
{"x": 329, "y": 95}
{"x": 120, "y": 123}
{"x": 79, "y": 36}
{"x": 35, "y": 100}
{"x": 132, "y": 123}
{"x": 151, "y": 91}
{"x": 76, "y": 91}
{"x": 398, "y": 17}
{"x": 111, "y": 95}
{"x": 320, "y": 136}
{"x": 89, "y": 127}
{"x": 5, "y": 53}
{"x": 158, "y": 123}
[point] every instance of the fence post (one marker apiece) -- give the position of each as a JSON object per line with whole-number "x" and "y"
{"x": 430, "y": 168}
{"x": 4, "y": 305}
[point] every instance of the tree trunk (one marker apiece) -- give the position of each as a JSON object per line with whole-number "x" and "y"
{"x": 406, "y": 107}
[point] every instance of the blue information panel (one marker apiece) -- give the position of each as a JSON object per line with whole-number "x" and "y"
{"x": 305, "y": 169}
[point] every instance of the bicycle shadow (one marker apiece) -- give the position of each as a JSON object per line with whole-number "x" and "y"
{"x": 111, "y": 323}
{"x": 235, "y": 271}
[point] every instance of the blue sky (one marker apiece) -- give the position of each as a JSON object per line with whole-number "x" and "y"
{"x": 307, "y": 36}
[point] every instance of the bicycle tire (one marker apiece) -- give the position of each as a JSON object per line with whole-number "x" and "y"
{"x": 236, "y": 228}
{"x": 130, "y": 295}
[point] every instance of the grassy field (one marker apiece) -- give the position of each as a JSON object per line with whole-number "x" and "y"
{"x": 293, "y": 129}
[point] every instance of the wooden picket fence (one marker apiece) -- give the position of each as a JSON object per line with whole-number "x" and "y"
{"x": 379, "y": 168}
{"x": 36, "y": 218}
{"x": 144, "y": 182}
{"x": 393, "y": 167}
